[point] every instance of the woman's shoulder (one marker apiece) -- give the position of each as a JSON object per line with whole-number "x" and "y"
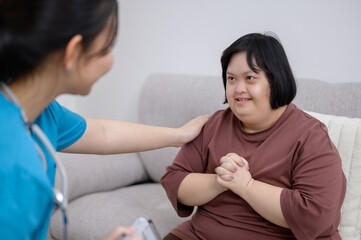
{"x": 216, "y": 121}
{"x": 220, "y": 115}
{"x": 302, "y": 119}
{"x": 311, "y": 130}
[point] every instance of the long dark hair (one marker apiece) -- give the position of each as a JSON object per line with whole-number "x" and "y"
{"x": 32, "y": 29}
{"x": 265, "y": 52}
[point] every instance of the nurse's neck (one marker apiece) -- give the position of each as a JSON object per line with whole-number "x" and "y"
{"x": 34, "y": 93}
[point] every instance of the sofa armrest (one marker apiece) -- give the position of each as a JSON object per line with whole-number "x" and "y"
{"x": 97, "y": 173}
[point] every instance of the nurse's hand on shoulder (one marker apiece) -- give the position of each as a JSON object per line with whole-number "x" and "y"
{"x": 191, "y": 129}
{"x": 118, "y": 232}
{"x": 233, "y": 173}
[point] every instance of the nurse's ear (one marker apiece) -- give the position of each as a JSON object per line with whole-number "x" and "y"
{"x": 72, "y": 53}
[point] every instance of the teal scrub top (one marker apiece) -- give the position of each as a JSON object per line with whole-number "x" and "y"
{"x": 26, "y": 197}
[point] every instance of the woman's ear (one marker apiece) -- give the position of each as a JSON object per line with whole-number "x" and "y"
{"x": 72, "y": 51}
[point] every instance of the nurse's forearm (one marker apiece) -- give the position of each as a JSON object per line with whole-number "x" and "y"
{"x": 199, "y": 188}
{"x": 125, "y": 137}
{"x": 112, "y": 136}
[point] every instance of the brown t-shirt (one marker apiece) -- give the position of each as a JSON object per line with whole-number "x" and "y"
{"x": 296, "y": 154}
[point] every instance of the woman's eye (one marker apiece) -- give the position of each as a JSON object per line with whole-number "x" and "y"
{"x": 231, "y": 78}
{"x": 249, "y": 78}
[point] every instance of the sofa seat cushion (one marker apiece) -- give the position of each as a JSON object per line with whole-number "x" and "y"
{"x": 108, "y": 210}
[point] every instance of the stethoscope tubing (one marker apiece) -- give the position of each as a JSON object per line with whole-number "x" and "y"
{"x": 60, "y": 197}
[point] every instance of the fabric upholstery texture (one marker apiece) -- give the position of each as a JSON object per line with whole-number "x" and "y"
{"x": 340, "y": 99}
{"x": 86, "y": 173}
{"x": 345, "y": 133}
{"x": 107, "y": 191}
{"x": 93, "y": 216}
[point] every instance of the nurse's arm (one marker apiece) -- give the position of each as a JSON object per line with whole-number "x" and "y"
{"x": 113, "y": 136}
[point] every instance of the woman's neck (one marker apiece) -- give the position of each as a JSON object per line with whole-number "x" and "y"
{"x": 264, "y": 124}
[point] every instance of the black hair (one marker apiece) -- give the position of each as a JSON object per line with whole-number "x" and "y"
{"x": 265, "y": 52}
{"x": 30, "y": 30}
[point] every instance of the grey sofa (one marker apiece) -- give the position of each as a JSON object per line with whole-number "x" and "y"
{"x": 107, "y": 191}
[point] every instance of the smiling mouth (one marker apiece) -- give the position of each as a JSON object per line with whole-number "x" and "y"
{"x": 243, "y": 100}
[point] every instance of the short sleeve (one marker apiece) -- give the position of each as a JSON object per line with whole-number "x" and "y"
{"x": 71, "y": 126}
{"x": 188, "y": 160}
{"x": 314, "y": 201}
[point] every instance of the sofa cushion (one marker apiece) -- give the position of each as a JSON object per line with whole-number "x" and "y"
{"x": 89, "y": 173}
{"x": 345, "y": 133}
{"x": 107, "y": 210}
{"x": 155, "y": 162}
{"x": 341, "y": 99}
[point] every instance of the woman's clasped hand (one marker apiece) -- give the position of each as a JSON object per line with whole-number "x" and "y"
{"x": 233, "y": 174}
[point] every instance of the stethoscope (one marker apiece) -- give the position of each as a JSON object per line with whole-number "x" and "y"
{"x": 60, "y": 197}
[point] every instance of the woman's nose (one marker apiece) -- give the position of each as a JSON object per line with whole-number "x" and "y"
{"x": 240, "y": 86}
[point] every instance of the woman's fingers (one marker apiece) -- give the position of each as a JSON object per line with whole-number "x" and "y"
{"x": 224, "y": 178}
{"x": 228, "y": 163}
{"x": 224, "y": 174}
{"x": 240, "y": 161}
{"x": 231, "y": 167}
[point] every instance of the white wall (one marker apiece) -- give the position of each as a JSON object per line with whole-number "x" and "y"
{"x": 322, "y": 39}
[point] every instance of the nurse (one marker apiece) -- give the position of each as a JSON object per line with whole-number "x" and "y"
{"x": 48, "y": 48}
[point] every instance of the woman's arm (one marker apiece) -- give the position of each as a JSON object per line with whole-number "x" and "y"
{"x": 199, "y": 188}
{"x": 264, "y": 198}
{"x": 112, "y": 136}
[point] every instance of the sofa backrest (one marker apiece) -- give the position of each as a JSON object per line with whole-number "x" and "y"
{"x": 340, "y": 99}
{"x": 88, "y": 173}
